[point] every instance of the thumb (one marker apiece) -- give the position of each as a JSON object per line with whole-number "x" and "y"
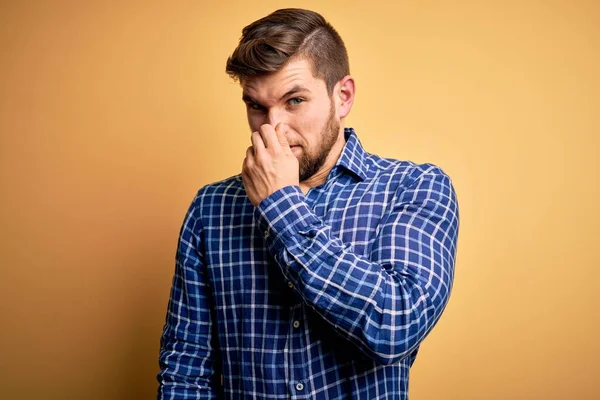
{"x": 281, "y": 129}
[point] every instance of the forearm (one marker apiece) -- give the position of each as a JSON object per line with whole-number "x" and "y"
{"x": 385, "y": 303}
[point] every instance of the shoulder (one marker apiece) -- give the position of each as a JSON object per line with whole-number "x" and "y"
{"x": 230, "y": 190}
{"x": 403, "y": 173}
{"x": 232, "y": 186}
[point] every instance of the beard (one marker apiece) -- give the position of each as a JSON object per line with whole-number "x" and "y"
{"x": 310, "y": 163}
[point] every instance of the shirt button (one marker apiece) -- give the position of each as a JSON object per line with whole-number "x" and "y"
{"x": 291, "y": 285}
{"x": 296, "y": 324}
{"x": 299, "y": 386}
{"x": 267, "y": 233}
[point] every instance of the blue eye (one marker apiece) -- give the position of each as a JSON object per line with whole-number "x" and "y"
{"x": 295, "y": 101}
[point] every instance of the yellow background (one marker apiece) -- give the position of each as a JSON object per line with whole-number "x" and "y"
{"x": 113, "y": 114}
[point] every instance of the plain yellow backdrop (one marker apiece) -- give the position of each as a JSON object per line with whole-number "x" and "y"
{"x": 113, "y": 114}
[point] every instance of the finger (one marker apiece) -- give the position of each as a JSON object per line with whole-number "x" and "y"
{"x": 281, "y": 130}
{"x": 257, "y": 142}
{"x": 249, "y": 157}
{"x": 269, "y": 137}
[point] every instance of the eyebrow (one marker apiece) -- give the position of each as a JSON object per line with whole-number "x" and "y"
{"x": 296, "y": 89}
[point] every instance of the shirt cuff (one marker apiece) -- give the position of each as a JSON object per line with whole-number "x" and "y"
{"x": 282, "y": 216}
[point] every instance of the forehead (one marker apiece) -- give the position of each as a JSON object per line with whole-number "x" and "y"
{"x": 294, "y": 73}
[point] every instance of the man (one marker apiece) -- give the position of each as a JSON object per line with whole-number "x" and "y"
{"x": 317, "y": 272}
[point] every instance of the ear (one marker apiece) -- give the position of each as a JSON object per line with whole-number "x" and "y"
{"x": 344, "y": 95}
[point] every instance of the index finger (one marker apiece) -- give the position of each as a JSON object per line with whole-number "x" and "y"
{"x": 281, "y": 129}
{"x": 269, "y": 137}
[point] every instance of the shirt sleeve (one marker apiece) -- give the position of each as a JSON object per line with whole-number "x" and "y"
{"x": 187, "y": 355}
{"x": 385, "y": 303}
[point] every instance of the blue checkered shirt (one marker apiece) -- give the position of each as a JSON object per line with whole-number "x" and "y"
{"x": 326, "y": 295}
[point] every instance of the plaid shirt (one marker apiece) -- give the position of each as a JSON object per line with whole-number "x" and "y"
{"x": 326, "y": 295}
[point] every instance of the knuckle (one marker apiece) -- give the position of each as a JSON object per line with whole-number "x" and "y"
{"x": 261, "y": 158}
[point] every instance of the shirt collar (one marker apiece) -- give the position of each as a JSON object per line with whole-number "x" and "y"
{"x": 353, "y": 156}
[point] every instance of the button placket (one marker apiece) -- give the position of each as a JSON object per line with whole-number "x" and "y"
{"x": 297, "y": 385}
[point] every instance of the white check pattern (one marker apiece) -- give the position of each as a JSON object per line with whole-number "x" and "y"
{"x": 323, "y": 296}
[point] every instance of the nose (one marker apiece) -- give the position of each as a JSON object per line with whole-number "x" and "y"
{"x": 275, "y": 116}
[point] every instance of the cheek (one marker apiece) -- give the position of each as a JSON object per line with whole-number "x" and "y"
{"x": 300, "y": 130}
{"x": 309, "y": 127}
